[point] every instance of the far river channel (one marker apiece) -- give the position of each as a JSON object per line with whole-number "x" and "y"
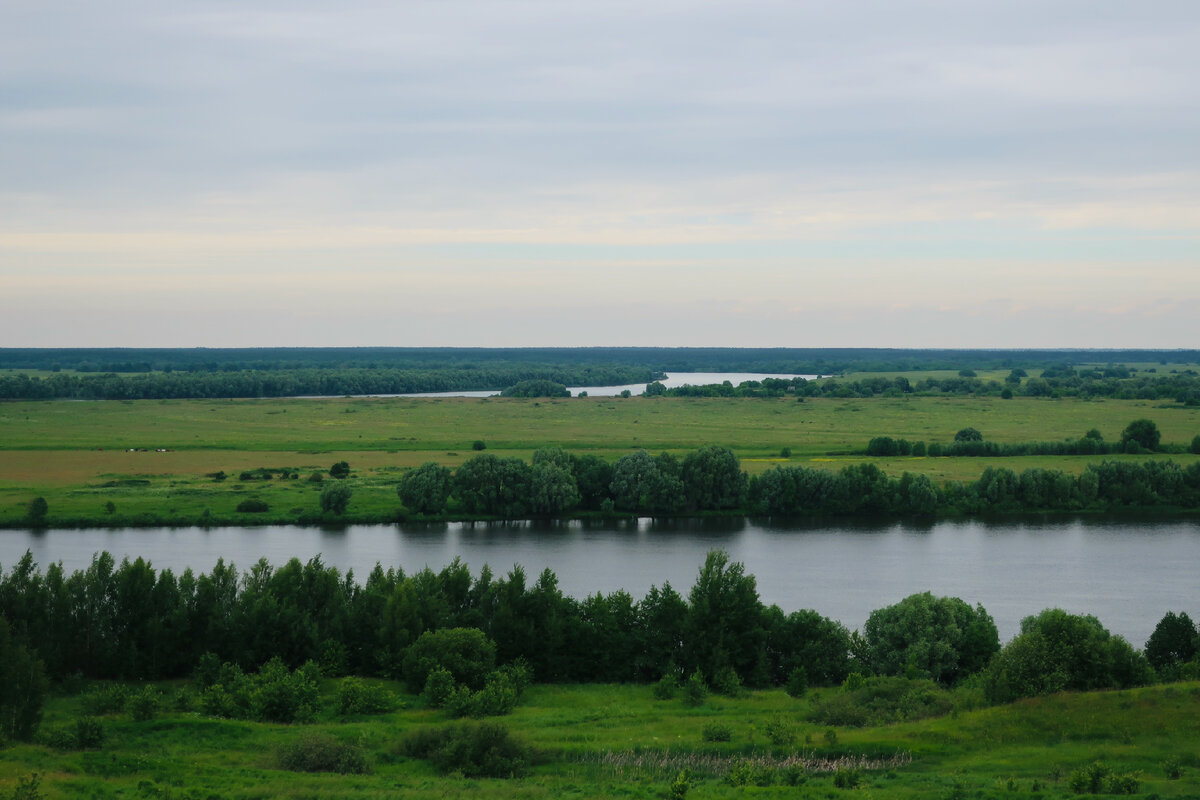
{"x": 1126, "y": 572}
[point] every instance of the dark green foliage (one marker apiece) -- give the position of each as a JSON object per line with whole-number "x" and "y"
{"x": 340, "y": 470}
{"x": 426, "y": 489}
{"x": 845, "y": 778}
{"x": 1057, "y": 651}
{"x": 335, "y": 498}
{"x": 695, "y": 690}
{"x": 1173, "y": 642}
{"x": 1098, "y": 778}
{"x": 552, "y": 489}
{"x": 716, "y": 732}
{"x": 727, "y": 682}
{"x": 881, "y": 701}
{"x": 105, "y": 699}
{"x": 274, "y": 694}
{"x": 479, "y": 444}
{"x": 88, "y": 733}
{"x": 1143, "y": 432}
{"x": 144, "y": 705}
{"x": 318, "y": 752}
{"x": 22, "y": 688}
{"x": 725, "y": 622}
{"x": 680, "y": 785}
{"x": 713, "y": 479}
{"x": 439, "y": 687}
{"x": 253, "y": 505}
{"x": 1194, "y": 447}
{"x": 477, "y": 750}
{"x": 358, "y": 697}
{"x": 536, "y": 388}
{"x": 665, "y": 687}
{"x": 797, "y": 683}
{"x": 28, "y": 788}
{"x": 780, "y": 732}
{"x": 110, "y": 507}
{"x": 968, "y": 435}
{"x": 489, "y": 485}
{"x": 36, "y": 511}
{"x": 641, "y": 482}
{"x": 466, "y": 653}
{"x": 941, "y": 638}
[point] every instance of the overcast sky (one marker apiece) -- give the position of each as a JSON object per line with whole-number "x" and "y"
{"x": 799, "y": 173}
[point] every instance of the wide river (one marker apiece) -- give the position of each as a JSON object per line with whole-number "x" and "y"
{"x": 1128, "y": 573}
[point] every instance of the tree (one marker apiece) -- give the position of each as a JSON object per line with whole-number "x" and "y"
{"x": 968, "y": 435}
{"x": 941, "y": 638}
{"x": 340, "y": 470}
{"x": 725, "y": 618}
{"x": 713, "y": 479}
{"x": 1142, "y": 431}
{"x": 1172, "y": 643}
{"x": 425, "y": 489}
{"x": 37, "y": 510}
{"x": 335, "y": 498}
{"x": 22, "y": 688}
{"x": 552, "y": 489}
{"x": 466, "y": 653}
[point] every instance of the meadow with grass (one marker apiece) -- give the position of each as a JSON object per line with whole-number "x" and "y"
{"x": 179, "y": 461}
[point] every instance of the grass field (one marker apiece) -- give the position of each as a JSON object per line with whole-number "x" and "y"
{"x": 617, "y": 741}
{"x": 81, "y": 455}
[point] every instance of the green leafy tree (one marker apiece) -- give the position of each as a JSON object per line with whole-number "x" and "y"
{"x": 335, "y": 498}
{"x": 941, "y": 638}
{"x": 1173, "y": 642}
{"x": 1143, "y": 432}
{"x": 425, "y": 489}
{"x": 725, "y": 618}
{"x": 22, "y": 688}
{"x": 37, "y": 510}
{"x": 466, "y": 653}
{"x": 968, "y": 435}
{"x": 552, "y": 489}
{"x": 340, "y": 470}
{"x": 713, "y": 479}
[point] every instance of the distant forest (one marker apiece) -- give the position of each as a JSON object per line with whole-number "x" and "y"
{"x": 119, "y": 373}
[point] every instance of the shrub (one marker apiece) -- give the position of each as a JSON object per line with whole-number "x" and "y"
{"x": 340, "y": 470}
{"x": 37, "y": 510}
{"x": 716, "y": 732}
{"x": 846, "y": 778}
{"x": 683, "y": 781}
{"x": 357, "y": 697}
{"x": 144, "y": 705}
{"x": 968, "y": 435}
{"x": 318, "y": 752}
{"x": 439, "y": 685}
{"x": 89, "y": 733}
{"x": 477, "y": 750}
{"x": 479, "y": 444}
{"x": 253, "y": 506}
{"x": 107, "y": 699}
{"x": 665, "y": 688}
{"x": 466, "y": 653}
{"x": 780, "y": 732}
{"x": 727, "y": 682}
{"x": 695, "y": 691}
{"x": 316, "y": 477}
{"x": 279, "y": 695}
{"x": 1098, "y": 778}
{"x": 28, "y": 788}
{"x": 881, "y": 701}
{"x": 797, "y": 683}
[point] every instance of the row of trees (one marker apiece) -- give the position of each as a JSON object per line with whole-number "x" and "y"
{"x": 711, "y": 479}
{"x": 130, "y": 621}
{"x": 1140, "y": 436}
{"x": 300, "y": 382}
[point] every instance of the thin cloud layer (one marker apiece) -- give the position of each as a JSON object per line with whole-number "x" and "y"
{"x": 909, "y": 174}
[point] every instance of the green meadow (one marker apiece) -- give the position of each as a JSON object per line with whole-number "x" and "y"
{"x": 154, "y": 456}
{"x": 595, "y": 741}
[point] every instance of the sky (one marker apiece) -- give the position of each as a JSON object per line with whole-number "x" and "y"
{"x": 808, "y": 173}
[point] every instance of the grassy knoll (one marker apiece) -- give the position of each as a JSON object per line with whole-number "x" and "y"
{"x": 76, "y": 454}
{"x": 616, "y": 740}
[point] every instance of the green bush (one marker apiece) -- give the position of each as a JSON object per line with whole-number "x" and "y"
{"x": 727, "y": 682}
{"x": 106, "y": 699}
{"x": 477, "y": 750}
{"x": 439, "y": 686}
{"x": 665, "y": 688}
{"x": 695, "y": 690}
{"x": 253, "y": 506}
{"x": 28, "y": 788}
{"x": 716, "y": 732}
{"x": 318, "y": 752}
{"x": 1098, "y": 778}
{"x": 880, "y": 701}
{"x": 144, "y": 705}
{"x": 466, "y": 653}
{"x": 356, "y": 697}
{"x": 780, "y": 732}
{"x": 89, "y": 733}
{"x": 797, "y": 683}
{"x": 846, "y": 778}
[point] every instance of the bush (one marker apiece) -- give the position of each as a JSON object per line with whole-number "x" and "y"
{"x": 316, "y": 477}
{"x": 727, "y": 682}
{"x": 1098, "y": 778}
{"x": 144, "y": 705}
{"x": 466, "y": 653}
{"x": 37, "y": 510}
{"x": 253, "y": 506}
{"x": 695, "y": 690}
{"x": 797, "y": 683}
{"x": 28, "y": 788}
{"x": 846, "y": 778}
{"x": 780, "y": 732}
{"x": 477, "y": 750}
{"x": 335, "y": 498}
{"x": 357, "y": 697}
{"x": 89, "y": 733}
{"x": 968, "y": 435}
{"x": 318, "y": 752}
{"x": 439, "y": 686}
{"x": 107, "y": 699}
{"x": 716, "y": 732}
{"x": 479, "y": 444}
{"x": 340, "y": 470}
{"x": 665, "y": 688}
{"x": 879, "y": 701}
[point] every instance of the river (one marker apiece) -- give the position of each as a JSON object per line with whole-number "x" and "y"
{"x": 1128, "y": 573}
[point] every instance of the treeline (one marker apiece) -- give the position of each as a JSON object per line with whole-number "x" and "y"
{"x": 823, "y": 361}
{"x": 1140, "y": 436}
{"x": 301, "y": 382}
{"x": 1183, "y": 387}
{"x": 130, "y": 621}
{"x": 711, "y": 479}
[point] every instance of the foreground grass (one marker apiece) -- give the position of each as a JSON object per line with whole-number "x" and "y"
{"x": 616, "y": 741}
{"x": 82, "y": 455}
